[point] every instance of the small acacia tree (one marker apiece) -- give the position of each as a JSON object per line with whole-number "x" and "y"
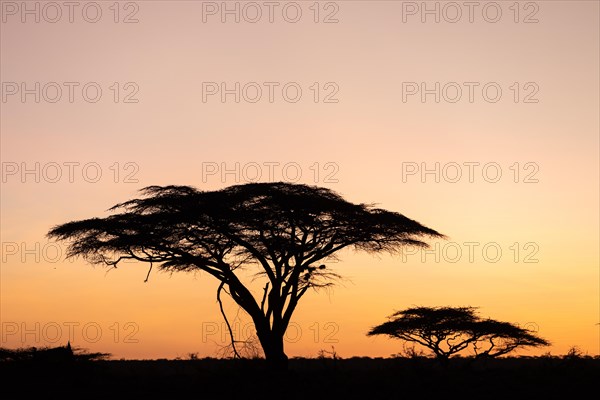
{"x": 281, "y": 229}
{"x": 447, "y": 331}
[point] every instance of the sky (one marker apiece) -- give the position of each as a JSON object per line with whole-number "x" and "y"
{"x": 478, "y": 120}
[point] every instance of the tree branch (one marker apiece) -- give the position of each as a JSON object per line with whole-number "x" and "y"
{"x": 235, "y": 353}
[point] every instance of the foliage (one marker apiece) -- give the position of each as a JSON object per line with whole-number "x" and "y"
{"x": 50, "y": 354}
{"x": 332, "y": 354}
{"x": 285, "y": 231}
{"x": 447, "y": 331}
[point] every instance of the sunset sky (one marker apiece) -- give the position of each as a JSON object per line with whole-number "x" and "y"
{"x": 337, "y": 94}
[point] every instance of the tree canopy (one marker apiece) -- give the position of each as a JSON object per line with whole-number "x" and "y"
{"x": 282, "y": 229}
{"x": 447, "y": 331}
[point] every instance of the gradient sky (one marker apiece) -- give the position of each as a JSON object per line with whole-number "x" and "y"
{"x": 364, "y": 145}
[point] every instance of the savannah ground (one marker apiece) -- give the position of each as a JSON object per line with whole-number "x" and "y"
{"x": 546, "y": 377}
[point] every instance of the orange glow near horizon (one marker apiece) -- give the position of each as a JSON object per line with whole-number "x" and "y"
{"x": 519, "y": 175}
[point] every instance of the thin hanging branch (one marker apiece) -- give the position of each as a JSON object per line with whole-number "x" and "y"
{"x": 149, "y": 270}
{"x": 235, "y": 352}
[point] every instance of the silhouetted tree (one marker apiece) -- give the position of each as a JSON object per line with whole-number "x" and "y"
{"x": 496, "y": 338}
{"x": 447, "y": 331}
{"x": 283, "y": 229}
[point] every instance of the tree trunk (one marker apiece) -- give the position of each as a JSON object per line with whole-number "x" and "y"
{"x": 444, "y": 360}
{"x": 272, "y": 344}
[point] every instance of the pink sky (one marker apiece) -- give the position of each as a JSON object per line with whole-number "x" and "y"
{"x": 359, "y": 138}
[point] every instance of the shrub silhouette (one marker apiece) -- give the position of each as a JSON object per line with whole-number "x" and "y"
{"x": 60, "y": 354}
{"x": 447, "y": 331}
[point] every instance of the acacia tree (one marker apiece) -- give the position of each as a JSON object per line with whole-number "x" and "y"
{"x": 447, "y": 331}
{"x": 281, "y": 229}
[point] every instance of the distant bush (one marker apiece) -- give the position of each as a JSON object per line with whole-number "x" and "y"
{"x": 50, "y": 354}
